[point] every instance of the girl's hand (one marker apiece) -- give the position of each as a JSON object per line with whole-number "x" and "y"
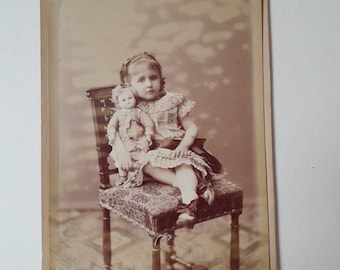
{"x": 180, "y": 152}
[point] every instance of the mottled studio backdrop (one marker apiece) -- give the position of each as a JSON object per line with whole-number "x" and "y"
{"x": 206, "y": 50}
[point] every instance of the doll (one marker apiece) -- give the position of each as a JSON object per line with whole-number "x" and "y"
{"x": 135, "y": 129}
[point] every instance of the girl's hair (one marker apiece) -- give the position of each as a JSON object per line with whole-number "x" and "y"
{"x": 145, "y": 58}
{"x": 118, "y": 90}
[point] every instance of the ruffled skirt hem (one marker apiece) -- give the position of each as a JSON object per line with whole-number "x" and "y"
{"x": 163, "y": 158}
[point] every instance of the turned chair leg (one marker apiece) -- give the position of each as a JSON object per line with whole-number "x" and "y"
{"x": 156, "y": 253}
{"x": 171, "y": 258}
{"x": 107, "y": 239}
{"x": 170, "y": 253}
{"x": 234, "y": 243}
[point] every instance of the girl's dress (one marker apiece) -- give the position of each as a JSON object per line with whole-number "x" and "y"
{"x": 166, "y": 114}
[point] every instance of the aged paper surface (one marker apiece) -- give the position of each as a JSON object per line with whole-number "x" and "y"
{"x": 214, "y": 52}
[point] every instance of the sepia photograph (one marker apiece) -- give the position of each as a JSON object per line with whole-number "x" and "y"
{"x": 157, "y": 135}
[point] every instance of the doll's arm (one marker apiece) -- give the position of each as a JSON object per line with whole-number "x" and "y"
{"x": 112, "y": 128}
{"x": 112, "y": 137}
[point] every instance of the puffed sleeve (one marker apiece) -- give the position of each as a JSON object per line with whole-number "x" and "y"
{"x": 185, "y": 106}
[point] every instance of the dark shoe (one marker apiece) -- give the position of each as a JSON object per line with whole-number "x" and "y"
{"x": 187, "y": 214}
{"x": 208, "y": 195}
{"x": 206, "y": 192}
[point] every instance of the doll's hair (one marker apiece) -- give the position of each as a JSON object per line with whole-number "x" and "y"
{"x": 138, "y": 59}
{"x": 118, "y": 90}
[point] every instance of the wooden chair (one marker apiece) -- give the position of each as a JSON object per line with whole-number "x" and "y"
{"x": 153, "y": 205}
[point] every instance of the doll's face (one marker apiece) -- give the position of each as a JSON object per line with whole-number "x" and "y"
{"x": 126, "y": 100}
{"x": 145, "y": 81}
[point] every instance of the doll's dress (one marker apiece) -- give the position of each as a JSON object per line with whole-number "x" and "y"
{"x": 132, "y": 125}
{"x": 166, "y": 114}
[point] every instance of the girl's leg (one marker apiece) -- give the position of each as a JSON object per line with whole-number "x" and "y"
{"x": 186, "y": 181}
{"x": 165, "y": 176}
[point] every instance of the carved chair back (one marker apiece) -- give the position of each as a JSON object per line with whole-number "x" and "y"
{"x": 102, "y": 111}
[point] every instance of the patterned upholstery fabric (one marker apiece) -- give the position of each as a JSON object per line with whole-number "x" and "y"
{"x": 153, "y": 205}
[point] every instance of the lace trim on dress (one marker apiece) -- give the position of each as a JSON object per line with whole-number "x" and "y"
{"x": 162, "y": 158}
{"x": 168, "y": 102}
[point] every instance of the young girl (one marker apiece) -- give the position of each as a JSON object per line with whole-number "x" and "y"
{"x": 171, "y": 162}
{"x": 126, "y": 122}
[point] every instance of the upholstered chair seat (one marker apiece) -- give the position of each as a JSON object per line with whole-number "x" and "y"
{"x": 153, "y": 206}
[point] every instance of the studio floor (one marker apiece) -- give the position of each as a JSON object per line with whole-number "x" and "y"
{"x": 75, "y": 242}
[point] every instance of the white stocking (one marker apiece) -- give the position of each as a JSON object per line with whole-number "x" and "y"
{"x": 186, "y": 181}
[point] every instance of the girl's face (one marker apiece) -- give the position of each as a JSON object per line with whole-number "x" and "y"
{"x": 147, "y": 83}
{"x": 126, "y": 100}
